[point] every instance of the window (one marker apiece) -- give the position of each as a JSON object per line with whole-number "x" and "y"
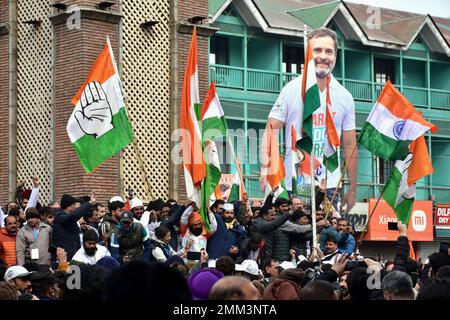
{"x": 384, "y": 70}
{"x": 384, "y": 169}
{"x": 292, "y": 59}
{"x": 219, "y": 50}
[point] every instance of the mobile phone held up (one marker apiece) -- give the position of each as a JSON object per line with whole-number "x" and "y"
{"x": 392, "y": 226}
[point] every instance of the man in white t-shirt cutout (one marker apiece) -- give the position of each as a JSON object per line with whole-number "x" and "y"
{"x": 288, "y": 111}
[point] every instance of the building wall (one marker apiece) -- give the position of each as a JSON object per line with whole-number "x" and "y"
{"x": 4, "y": 105}
{"x": 186, "y": 10}
{"x": 146, "y": 80}
{"x": 34, "y": 96}
{"x": 75, "y": 53}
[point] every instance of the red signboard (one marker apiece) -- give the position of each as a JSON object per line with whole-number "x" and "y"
{"x": 442, "y": 218}
{"x": 420, "y": 224}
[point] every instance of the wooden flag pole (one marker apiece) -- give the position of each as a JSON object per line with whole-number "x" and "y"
{"x": 370, "y": 217}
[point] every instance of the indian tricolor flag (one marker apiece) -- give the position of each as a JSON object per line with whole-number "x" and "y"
{"x": 310, "y": 98}
{"x": 193, "y": 161}
{"x": 213, "y": 126}
{"x": 332, "y": 142}
{"x": 99, "y": 127}
{"x": 237, "y": 188}
{"x": 400, "y": 189}
{"x": 392, "y": 125}
{"x": 275, "y": 171}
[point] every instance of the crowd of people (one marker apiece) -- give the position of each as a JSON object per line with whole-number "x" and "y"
{"x": 82, "y": 249}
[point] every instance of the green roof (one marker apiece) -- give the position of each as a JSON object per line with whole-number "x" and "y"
{"x": 315, "y": 16}
{"x": 215, "y": 5}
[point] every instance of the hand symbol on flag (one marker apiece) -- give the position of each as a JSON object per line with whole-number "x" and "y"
{"x": 95, "y": 116}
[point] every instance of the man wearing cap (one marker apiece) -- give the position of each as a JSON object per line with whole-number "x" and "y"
{"x": 249, "y": 269}
{"x": 33, "y": 240}
{"x": 111, "y": 221}
{"x": 90, "y": 252}
{"x": 131, "y": 241}
{"x": 66, "y": 231}
{"x": 45, "y": 285}
{"x": 227, "y": 239}
{"x": 19, "y": 277}
{"x": 8, "y": 241}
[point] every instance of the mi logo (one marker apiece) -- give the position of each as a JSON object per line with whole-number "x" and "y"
{"x": 419, "y": 220}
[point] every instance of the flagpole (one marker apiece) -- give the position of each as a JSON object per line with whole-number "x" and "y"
{"x": 346, "y": 163}
{"x": 135, "y": 146}
{"x": 370, "y": 217}
{"x": 311, "y": 163}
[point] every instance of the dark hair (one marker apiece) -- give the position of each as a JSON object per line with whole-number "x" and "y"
{"x": 9, "y": 216}
{"x": 267, "y": 263}
{"x": 324, "y": 32}
{"x": 161, "y": 231}
{"x": 331, "y": 238}
{"x": 437, "y": 260}
{"x": 115, "y": 205}
{"x": 256, "y": 237}
{"x": 225, "y": 264}
{"x": 357, "y": 284}
{"x": 92, "y": 287}
{"x": 305, "y": 264}
{"x": 318, "y": 290}
{"x": 140, "y": 280}
{"x": 216, "y": 204}
{"x": 399, "y": 284}
{"x": 281, "y": 201}
{"x": 264, "y": 211}
{"x": 443, "y": 273}
{"x": 436, "y": 289}
{"x": 298, "y": 214}
{"x": 42, "y": 281}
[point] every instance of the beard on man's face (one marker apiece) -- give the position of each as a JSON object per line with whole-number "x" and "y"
{"x": 90, "y": 251}
{"x": 323, "y": 73}
{"x": 196, "y": 231}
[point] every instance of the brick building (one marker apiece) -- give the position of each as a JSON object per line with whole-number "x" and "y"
{"x": 47, "y": 48}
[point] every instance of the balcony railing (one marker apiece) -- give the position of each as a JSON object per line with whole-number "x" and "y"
{"x": 364, "y": 191}
{"x": 272, "y": 81}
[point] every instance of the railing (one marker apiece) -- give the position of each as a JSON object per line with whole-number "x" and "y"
{"x": 417, "y": 96}
{"x": 257, "y": 79}
{"x": 360, "y": 90}
{"x": 364, "y": 191}
{"x": 272, "y": 81}
{"x": 440, "y": 99}
{"x": 226, "y": 76}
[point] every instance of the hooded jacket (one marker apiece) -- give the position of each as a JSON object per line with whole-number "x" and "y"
{"x": 282, "y": 289}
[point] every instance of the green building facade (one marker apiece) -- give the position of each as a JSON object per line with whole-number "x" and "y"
{"x": 259, "y": 48}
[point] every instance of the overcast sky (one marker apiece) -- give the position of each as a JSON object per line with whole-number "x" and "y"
{"x": 440, "y": 8}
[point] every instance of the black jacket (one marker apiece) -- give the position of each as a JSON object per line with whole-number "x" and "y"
{"x": 266, "y": 228}
{"x": 66, "y": 233}
{"x": 174, "y": 221}
{"x": 401, "y": 253}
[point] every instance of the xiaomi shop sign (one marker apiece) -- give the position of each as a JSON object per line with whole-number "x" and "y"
{"x": 420, "y": 223}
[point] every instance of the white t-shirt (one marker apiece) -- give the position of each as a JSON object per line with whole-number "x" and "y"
{"x": 82, "y": 257}
{"x": 289, "y": 109}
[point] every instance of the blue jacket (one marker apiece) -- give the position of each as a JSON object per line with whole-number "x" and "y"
{"x": 346, "y": 242}
{"x": 348, "y": 246}
{"x": 221, "y": 241}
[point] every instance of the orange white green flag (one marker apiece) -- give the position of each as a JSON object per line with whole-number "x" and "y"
{"x": 99, "y": 127}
